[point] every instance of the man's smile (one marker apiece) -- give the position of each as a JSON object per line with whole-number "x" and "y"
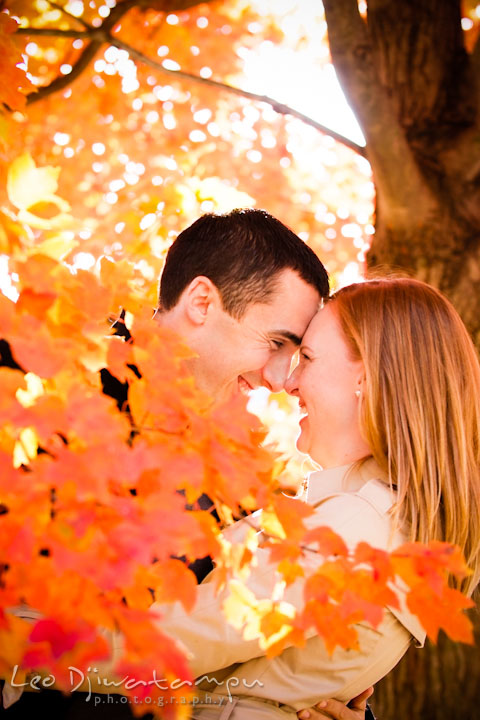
{"x": 243, "y": 385}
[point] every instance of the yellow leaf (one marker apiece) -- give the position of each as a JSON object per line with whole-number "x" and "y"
{"x": 25, "y": 448}
{"x": 28, "y": 186}
{"x": 271, "y": 525}
{"x": 224, "y": 196}
{"x": 58, "y": 246}
{"x": 34, "y": 390}
{"x": 242, "y": 609}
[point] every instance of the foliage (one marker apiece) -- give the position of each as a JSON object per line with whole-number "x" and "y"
{"x": 146, "y": 151}
{"x": 91, "y": 519}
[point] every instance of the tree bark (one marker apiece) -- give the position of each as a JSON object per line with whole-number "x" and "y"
{"x": 415, "y": 92}
{"x": 434, "y": 683}
{"x": 414, "y": 89}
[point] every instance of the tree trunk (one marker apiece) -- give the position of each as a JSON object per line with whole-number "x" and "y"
{"x": 415, "y": 91}
{"x": 434, "y": 683}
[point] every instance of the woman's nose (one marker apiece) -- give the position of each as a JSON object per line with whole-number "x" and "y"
{"x": 291, "y": 385}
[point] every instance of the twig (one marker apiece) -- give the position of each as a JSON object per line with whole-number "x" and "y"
{"x": 68, "y": 14}
{"x": 277, "y": 106}
{"x": 62, "y": 81}
{"x": 56, "y": 32}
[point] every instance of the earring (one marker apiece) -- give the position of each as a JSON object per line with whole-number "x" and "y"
{"x": 357, "y": 393}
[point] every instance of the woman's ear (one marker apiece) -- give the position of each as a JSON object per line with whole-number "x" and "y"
{"x": 200, "y": 298}
{"x": 360, "y": 382}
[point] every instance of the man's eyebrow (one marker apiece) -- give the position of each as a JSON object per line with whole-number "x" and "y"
{"x": 287, "y": 335}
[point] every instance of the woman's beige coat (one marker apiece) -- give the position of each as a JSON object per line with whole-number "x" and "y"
{"x": 240, "y": 681}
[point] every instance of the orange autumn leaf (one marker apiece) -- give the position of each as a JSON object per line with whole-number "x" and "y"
{"x": 429, "y": 563}
{"x": 330, "y": 624}
{"x": 291, "y": 513}
{"x": 442, "y": 611}
{"x": 379, "y": 560}
{"x": 37, "y": 351}
{"x": 14, "y": 83}
{"x": 34, "y": 303}
{"x": 290, "y": 571}
{"x": 174, "y": 581}
{"x": 14, "y": 634}
{"x": 329, "y": 542}
{"x": 294, "y": 636}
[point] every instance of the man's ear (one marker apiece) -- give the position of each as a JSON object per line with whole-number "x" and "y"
{"x": 200, "y": 298}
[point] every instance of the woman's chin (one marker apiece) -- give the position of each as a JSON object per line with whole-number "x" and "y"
{"x": 302, "y": 443}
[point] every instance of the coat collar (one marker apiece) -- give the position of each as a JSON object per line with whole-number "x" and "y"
{"x": 345, "y": 479}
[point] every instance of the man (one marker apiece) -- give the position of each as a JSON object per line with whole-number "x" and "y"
{"x": 241, "y": 290}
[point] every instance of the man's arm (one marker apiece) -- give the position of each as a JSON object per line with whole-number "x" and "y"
{"x": 357, "y": 709}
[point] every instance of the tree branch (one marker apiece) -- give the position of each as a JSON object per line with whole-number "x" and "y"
{"x": 63, "y": 81}
{"x": 97, "y": 37}
{"x": 278, "y": 107}
{"x": 56, "y": 32}
{"x": 101, "y": 35}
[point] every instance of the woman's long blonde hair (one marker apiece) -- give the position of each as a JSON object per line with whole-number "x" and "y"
{"x": 420, "y": 407}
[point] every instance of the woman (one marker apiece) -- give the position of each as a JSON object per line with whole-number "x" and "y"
{"x": 389, "y": 382}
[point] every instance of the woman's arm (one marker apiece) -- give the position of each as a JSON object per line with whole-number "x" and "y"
{"x": 355, "y": 710}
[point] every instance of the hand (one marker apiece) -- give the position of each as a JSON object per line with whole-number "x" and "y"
{"x": 337, "y": 710}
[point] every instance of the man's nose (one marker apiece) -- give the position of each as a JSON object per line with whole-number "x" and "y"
{"x": 275, "y": 373}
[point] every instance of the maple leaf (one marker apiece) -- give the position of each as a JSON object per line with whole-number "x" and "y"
{"x": 329, "y": 622}
{"x": 14, "y": 83}
{"x": 14, "y": 633}
{"x": 291, "y": 513}
{"x": 29, "y": 187}
{"x": 147, "y": 649}
{"x": 174, "y": 581}
{"x": 75, "y": 641}
{"x": 35, "y": 303}
{"x": 377, "y": 559}
{"x": 428, "y": 563}
{"x": 329, "y": 542}
{"x": 290, "y": 571}
{"x": 442, "y": 611}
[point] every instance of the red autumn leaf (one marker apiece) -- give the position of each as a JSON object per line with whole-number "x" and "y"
{"x": 52, "y": 632}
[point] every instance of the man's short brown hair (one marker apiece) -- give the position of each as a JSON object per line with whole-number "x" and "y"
{"x": 242, "y": 253}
